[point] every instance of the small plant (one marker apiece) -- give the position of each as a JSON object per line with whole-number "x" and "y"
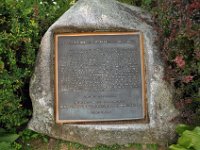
{"x": 189, "y": 138}
{"x": 27, "y": 135}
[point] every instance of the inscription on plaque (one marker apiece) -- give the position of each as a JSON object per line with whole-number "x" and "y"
{"x": 99, "y": 77}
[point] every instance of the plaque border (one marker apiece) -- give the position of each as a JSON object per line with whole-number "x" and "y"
{"x": 107, "y": 121}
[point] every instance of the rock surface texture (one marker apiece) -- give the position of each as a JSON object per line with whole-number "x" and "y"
{"x": 93, "y": 16}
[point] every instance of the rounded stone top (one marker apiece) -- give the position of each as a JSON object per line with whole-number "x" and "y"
{"x": 102, "y": 15}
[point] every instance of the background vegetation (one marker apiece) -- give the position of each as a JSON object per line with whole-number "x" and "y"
{"x": 178, "y": 23}
{"x": 23, "y": 23}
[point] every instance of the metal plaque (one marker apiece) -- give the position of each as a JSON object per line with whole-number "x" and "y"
{"x": 99, "y": 77}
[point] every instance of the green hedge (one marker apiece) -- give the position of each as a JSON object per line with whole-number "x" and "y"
{"x": 22, "y": 24}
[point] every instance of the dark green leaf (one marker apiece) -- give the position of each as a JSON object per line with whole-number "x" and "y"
{"x": 5, "y": 146}
{"x": 182, "y": 127}
{"x": 177, "y": 147}
{"x": 190, "y": 139}
{"x": 9, "y": 137}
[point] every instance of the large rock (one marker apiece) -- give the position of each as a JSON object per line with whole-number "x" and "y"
{"x": 103, "y": 15}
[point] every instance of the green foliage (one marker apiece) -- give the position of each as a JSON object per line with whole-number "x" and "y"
{"x": 152, "y": 147}
{"x": 22, "y": 24}
{"x": 188, "y": 140}
{"x": 27, "y": 135}
{"x": 179, "y": 26}
{"x": 182, "y": 127}
{"x": 7, "y": 140}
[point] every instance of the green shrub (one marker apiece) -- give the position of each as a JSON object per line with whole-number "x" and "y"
{"x": 22, "y": 24}
{"x": 178, "y": 26}
{"x": 189, "y": 138}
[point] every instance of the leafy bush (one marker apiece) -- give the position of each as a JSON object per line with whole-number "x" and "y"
{"x": 22, "y": 24}
{"x": 178, "y": 24}
{"x": 189, "y": 138}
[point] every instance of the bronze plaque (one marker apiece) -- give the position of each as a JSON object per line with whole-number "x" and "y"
{"x": 99, "y": 77}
